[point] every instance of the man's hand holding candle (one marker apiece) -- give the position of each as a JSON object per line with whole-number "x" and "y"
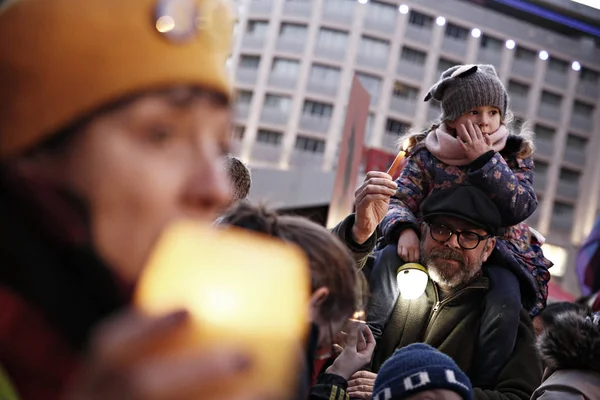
{"x": 372, "y": 200}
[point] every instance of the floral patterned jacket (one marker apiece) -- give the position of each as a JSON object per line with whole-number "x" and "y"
{"x": 508, "y": 180}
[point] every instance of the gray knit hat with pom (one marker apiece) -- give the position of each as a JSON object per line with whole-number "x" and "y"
{"x": 465, "y": 87}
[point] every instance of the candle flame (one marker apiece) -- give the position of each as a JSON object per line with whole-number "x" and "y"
{"x": 405, "y": 144}
{"x": 358, "y": 316}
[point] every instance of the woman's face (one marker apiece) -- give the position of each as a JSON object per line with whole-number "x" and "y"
{"x": 146, "y": 164}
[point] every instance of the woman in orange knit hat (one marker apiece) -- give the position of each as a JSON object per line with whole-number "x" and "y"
{"x": 114, "y": 117}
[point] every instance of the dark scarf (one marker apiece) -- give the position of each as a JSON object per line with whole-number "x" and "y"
{"x": 46, "y": 258}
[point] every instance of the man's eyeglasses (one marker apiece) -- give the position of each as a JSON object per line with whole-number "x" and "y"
{"x": 466, "y": 239}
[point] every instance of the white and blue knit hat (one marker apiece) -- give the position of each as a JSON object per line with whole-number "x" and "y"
{"x": 417, "y": 368}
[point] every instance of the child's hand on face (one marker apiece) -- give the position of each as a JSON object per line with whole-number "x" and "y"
{"x": 474, "y": 142}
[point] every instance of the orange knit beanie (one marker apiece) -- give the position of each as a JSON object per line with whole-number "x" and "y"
{"x": 62, "y": 59}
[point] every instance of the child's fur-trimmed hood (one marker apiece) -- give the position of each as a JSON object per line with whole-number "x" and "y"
{"x": 572, "y": 343}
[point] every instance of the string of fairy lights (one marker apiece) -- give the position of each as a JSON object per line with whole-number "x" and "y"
{"x": 476, "y": 33}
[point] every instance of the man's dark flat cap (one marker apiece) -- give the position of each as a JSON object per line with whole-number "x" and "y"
{"x": 465, "y": 202}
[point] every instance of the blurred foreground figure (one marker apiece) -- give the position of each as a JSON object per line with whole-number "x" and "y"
{"x": 338, "y": 291}
{"x": 115, "y": 120}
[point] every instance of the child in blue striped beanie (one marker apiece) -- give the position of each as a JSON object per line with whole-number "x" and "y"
{"x": 420, "y": 372}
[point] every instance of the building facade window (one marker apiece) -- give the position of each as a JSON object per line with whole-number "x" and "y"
{"x": 569, "y": 176}
{"x": 456, "y": 32}
{"x": 244, "y": 97}
{"x": 576, "y": 143}
{"x": 395, "y": 127}
{"x": 518, "y": 89}
{"x": 285, "y": 67}
{"x": 524, "y": 54}
{"x": 382, "y": 12}
{"x": 420, "y": 20}
{"x": 344, "y": 8}
{"x": 544, "y": 133}
{"x": 589, "y": 76}
{"x": 269, "y": 137}
{"x": 374, "y": 48}
{"x": 257, "y": 29}
{"x": 404, "y": 91}
{"x": 278, "y": 102}
{"x": 491, "y": 43}
{"x": 317, "y": 109}
{"x": 413, "y": 56}
{"x": 557, "y": 65}
{"x": 238, "y": 132}
{"x": 332, "y": 39}
{"x": 310, "y": 145}
{"x": 444, "y": 64}
{"x": 324, "y": 73}
{"x": 551, "y": 99}
{"x": 249, "y": 62}
{"x": 541, "y": 168}
{"x": 293, "y": 32}
{"x": 562, "y": 210}
{"x": 583, "y": 109}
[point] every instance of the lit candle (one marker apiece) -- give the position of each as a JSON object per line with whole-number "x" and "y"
{"x": 400, "y": 161}
{"x": 398, "y": 164}
{"x": 254, "y": 298}
{"x": 358, "y": 316}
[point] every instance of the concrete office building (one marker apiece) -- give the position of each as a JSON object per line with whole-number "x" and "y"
{"x": 294, "y": 60}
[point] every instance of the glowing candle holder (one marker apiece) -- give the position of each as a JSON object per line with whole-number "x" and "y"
{"x": 242, "y": 290}
{"x": 412, "y": 280}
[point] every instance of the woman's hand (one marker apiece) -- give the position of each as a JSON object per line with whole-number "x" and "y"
{"x": 123, "y": 362}
{"x": 357, "y": 351}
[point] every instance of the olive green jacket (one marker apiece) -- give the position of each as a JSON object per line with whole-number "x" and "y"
{"x": 452, "y": 326}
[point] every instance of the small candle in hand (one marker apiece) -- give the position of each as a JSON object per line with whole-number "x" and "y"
{"x": 400, "y": 161}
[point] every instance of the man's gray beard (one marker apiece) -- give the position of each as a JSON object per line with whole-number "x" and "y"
{"x": 439, "y": 270}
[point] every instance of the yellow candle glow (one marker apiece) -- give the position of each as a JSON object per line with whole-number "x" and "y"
{"x": 241, "y": 289}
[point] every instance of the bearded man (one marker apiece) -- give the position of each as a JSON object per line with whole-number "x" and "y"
{"x": 458, "y": 234}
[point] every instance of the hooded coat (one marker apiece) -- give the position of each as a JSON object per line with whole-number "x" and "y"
{"x": 571, "y": 352}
